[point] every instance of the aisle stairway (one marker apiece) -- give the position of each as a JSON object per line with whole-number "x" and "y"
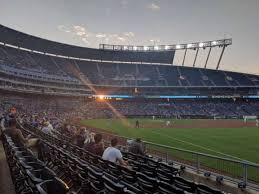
{"x": 5, "y": 177}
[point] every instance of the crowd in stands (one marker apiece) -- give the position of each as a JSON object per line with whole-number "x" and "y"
{"x": 97, "y": 109}
{"x": 60, "y": 108}
{"x": 48, "y": 123}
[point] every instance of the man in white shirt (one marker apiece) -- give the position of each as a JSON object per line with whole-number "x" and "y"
{"x": 113, "y": 154}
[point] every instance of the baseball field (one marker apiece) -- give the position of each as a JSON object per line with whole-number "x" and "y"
{"x": 227, "y": 138}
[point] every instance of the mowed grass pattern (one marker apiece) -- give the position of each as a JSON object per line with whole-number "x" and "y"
{"x": 238, "y": 143}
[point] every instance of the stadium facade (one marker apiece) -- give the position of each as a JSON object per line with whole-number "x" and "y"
{"x": 34, "y": 65}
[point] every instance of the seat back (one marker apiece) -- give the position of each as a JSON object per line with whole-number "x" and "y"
{"x": 111, "y": 186}
{"x": 203, "y": 189}
{"x": 184, "y": 184}
{"x": 145, "y": 183}
{"x": 166, "y": 188}
{"x": 95, "y": 178}
{"x": 55, "y": 186}
{"x": 128, "y": 175}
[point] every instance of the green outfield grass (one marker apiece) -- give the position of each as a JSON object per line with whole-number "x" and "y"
{"x": 238, "y": 143}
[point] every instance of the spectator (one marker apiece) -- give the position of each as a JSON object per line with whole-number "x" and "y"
{"x": 89, "y": 137}
{"x": 16, "y": 134}
{"x": 47, "y": 128}
{"x": 113, "y": 154}
{"x": 80, "y": 137}
{"x": 136, "y": 147}
{"x": 96, "y": 147}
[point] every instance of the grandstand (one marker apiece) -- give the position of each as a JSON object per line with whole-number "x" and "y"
{"x": 64, "y": 84}
{"x": 63, "y": 64}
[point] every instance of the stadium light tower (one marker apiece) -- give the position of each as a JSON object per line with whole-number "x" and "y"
{"x": 222, "y": 43}
{"x": 205, "y": 44}
{"x": 185, "y": 52}
{"x": 221, "y": 55}
{"x": 196, "y": 55}
{"x": 201, "y": 44}
{"x": 207, "y": 59}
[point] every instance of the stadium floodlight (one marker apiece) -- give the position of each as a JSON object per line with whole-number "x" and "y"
{"x": 201, "y": 44}
{"x": 156, "y": 47}
{"x": 189, "y": 45}
{"x": 194, "y": 45}
{"x": 214, "y": 43}
{"x": 178, "y": 46}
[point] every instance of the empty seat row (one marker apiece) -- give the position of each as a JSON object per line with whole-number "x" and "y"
{"x": 29, "y": 174}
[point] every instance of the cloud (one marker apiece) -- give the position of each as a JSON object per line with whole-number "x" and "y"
{"x": 63, "y": 28}
{"x": 80, "y": 33}
{"x": 129, "y": 34}
{"x": 122, "y": 39}
{"x": 100, "y": 35}
{"x": 79, "y": 28}
{"x": 85, "y": 40}
{"x": 153, "y": 7}
{"x": 84, "y": 36}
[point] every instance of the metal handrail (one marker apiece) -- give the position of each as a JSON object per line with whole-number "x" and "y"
{"x": 244, "y": 162}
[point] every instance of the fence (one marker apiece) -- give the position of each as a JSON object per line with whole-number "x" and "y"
{"x": 233, "y": 170}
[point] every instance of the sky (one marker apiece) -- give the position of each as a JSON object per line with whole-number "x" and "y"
{"x": 145, "y": 22}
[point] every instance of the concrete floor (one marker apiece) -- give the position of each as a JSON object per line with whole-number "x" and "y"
{"x": 6, "y": 184}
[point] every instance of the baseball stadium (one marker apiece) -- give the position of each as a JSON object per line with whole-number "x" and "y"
{"x": 124, "y": 118}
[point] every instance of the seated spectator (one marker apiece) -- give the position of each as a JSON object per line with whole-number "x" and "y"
{"x": 113, "y": 154}
{"x": 96, "y": 147}
{"x": 89, "y": 137}
{"x": 17, "y": 135}
{"x": 80, "y": 137}
{"x": 47, "y": 128}
{"x": 136, "y": 147}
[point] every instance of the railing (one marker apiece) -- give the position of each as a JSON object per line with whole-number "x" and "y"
{"x": 232, "y": 170}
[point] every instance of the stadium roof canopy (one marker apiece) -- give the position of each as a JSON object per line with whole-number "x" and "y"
{"x": 22, "y": 40}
